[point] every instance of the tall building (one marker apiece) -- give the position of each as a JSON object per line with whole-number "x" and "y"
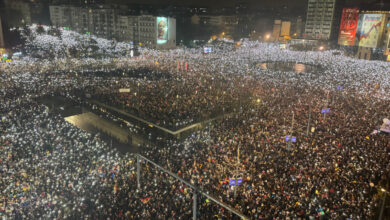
{"x": 285, "y": 29}
{"x": 18, "y": 12}
{"x": 111, "y": 22}
{"x": 215, "y": 23}
{"x": 276, "y": 30}
{"x": 2, "y": 42}
{"x": 281, "y": 30}
{"x": 322, "y": 19}
{"x": 297, "y": 27}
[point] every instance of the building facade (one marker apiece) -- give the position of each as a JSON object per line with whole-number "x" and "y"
{"x": 285, "y": 29}
{"x": 276, "y": 30}
{"x": 322, "y": 18}
{"x": 297, "y": 27}
{"x": 2, "y": 41}
{"x": 372, "y": 35}
{"x": 281, "y": 31}
{"x": 112, "y": 23}
{"x": 214, "y": 25}
{"x": 18, "y": 13}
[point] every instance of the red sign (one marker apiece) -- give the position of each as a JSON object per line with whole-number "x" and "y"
{"x": 348, "y": 25}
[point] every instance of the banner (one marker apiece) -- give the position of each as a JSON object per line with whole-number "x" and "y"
{"x": 371, "y": 30}
{"x": 348, "y": 26}
{"x": 162, "y": 30}
{"x": 385, "y": 126}
{"x": 124, "y": 90}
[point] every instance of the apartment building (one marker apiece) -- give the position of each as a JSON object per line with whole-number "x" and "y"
{"x": 111, "y": 22}
{"x": 322, "y": 18}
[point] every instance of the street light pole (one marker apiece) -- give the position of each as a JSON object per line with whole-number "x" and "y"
{"x": 327, "y": 104}
{"x": 308, "y": 122}
{"x": 291, "y": 131}
{"x": 236, "y": 174}
{"x": 194, "y": 201}
{"x": 138, "y": 172}
{"x": 383, "y": 203}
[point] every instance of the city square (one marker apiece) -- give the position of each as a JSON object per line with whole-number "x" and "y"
{"x": 93, "y": 128}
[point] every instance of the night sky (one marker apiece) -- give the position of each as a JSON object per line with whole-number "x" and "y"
{"x": 227, "y": 3}
{"x": 297, "y": 7}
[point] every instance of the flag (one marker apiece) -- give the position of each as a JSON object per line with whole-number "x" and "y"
{"x": 385, "y": 126}
{"x": 146, "y": 200}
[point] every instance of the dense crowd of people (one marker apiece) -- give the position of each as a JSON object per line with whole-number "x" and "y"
{"x": 176, "y": 103}
{"x": 51, "y": 169}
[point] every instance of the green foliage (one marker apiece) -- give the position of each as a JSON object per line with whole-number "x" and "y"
{"x": 40, "y": 30}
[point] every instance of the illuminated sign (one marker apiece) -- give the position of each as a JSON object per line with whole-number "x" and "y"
{"x": 162, "y": 30}
{"x": 387, "y": 51}
{"x": 371, "y": 29}
{"x": 124, "y": 90}
{"x": 207, "y": 50}
{"x": 348, "y": 26}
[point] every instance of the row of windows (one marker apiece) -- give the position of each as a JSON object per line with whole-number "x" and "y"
{"x": 146, "y": 18}
{"x": 146, "y": 24}
{"x": 147, "y": 29}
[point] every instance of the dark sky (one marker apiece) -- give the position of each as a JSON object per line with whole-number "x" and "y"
{"x": 294, "y": 6}
{"x": 227, "y": 3}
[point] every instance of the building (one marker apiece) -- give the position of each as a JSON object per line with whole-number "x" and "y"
{"x": 111, "y": 22}
{"x": 276, "y": 30}
{"x": 285, "y": 28}
{"x": 208, "y": 25}
{"x": 322, "y": 19}
{"x": 151, "y": 31}
{"x": 281, "y": 30}
{"x": 387, "y": 39}
{"x": 297, "y": 27}
{"x": 100, "y": 20}
{"x": 18, "y": 13}
{"x": 372, "y": 35}
{"x": 2, "y": 41}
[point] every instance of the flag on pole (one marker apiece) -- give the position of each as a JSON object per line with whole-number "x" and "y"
{"x": 146, "y": 200}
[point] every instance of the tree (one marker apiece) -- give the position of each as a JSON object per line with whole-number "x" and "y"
{"x": 40, "y": 30}
{"x": 54, "y": 32}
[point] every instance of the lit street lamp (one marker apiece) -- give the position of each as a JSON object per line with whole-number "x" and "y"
{"x": 267, "y": 36}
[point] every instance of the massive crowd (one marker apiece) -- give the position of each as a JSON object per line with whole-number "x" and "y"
{"x": 50, "y": 169}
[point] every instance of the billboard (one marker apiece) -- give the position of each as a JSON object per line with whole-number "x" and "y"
{"x": 124, "y": 90}
{"x": 387, "y": 51}
{"x": 162, "y": 30}
{"x": 348, "y": 26}
{"x": 370, "y": 30}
